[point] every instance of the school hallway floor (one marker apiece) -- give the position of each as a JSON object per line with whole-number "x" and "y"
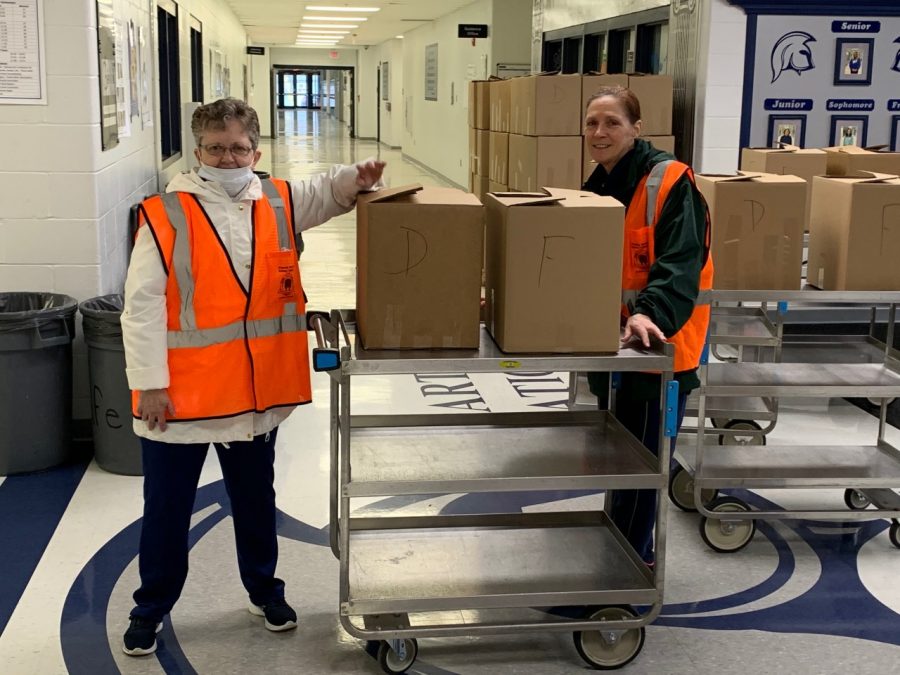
{"x": 802, "y": 597}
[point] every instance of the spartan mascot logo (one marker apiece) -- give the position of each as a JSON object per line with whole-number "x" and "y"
{"x": 792, "y": 52}
{"x": 896, "y": 66}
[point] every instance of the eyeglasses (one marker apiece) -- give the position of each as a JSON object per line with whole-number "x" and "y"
{"x": 218, "y": 150}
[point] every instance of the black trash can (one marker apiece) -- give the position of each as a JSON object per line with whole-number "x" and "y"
{"x": 116, "y": 448}
{"x": 36, "y": 331}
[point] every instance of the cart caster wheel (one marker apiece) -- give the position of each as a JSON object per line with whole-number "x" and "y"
{"x": 394, "y": 662}
{"x": 733, "y": 438}
{"x": 894, "y": 533}
{"x": 608, "y": 651}
{"x": 719, "y": 422}
{"x": 681, "y": 490}
{"x": 727, "y": 536}
{"x": 856, "y": 500}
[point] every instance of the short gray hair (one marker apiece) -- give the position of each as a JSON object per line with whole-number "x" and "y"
{"x": 216, "y": 115}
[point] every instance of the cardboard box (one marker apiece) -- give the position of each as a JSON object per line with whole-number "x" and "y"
{"x": 498, "y": 167}
{"x": 546, "y": 105}
{"x": 479, "y": 151}
{"x": 666, "y": 143}
{"x": 855, "y": 244}
{"x": 655, "y": 93}
{"x": 787, "y": 161}
{"x": 849, "y": 159}
{"x": 592, "y": 83}
{"x": 544, "y": 161}
{"x": 479, "y": 105}
{"x": 410, "y": 243}
{"x": 479, "y": 186}
{"x": 757, "y": 229}
{"x": 497, "y": 187}
{"x": 499, "y": 91}
{"x": 553, "y": 271}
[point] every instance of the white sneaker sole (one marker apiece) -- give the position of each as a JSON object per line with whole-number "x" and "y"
{"x": 255, "y": 610}
{"x": 137, "y": 651}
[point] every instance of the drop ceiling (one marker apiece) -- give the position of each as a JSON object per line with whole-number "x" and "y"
{"x": 276, "y": 22}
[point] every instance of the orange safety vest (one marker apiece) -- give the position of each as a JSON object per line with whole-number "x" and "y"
{"x": 640, "y": 230}
{"x": 230, "y": 350}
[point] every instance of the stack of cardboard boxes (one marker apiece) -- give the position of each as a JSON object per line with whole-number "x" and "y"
{"x": 545, "y": 132}
{"x": 499, "y": 136}
{"x": 655, "y": 93}
{"x": 553, "y": 270}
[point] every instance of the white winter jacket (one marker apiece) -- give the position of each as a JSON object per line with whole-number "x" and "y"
{"x": 316, "y": 200}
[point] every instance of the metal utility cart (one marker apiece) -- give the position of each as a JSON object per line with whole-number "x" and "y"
{"x": 405, "y": 577}
{"x": 871, "y": 472}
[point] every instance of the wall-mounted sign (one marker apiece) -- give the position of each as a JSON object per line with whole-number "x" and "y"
{"x": 257, "y": 51}
{"x": 472, "y": 30}
{"x": 22, "y": 68}
{"x": 431, "y": 72}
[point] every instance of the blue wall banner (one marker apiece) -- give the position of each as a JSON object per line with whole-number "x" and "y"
{"x": 788, "y": 104}
{"x": 850, "y": 104}
{"x": 855, "y": 26}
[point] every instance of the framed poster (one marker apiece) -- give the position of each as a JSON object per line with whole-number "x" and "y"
{"x": 386, "y": 81}
{"x": 787, "y": 130}
{"x": 895, "y": 133}
{"x": 853, "y": 61}
{"x": 106, "y": 55}
{"x": 849, "y": 130}
{"x": 431, "y": 72}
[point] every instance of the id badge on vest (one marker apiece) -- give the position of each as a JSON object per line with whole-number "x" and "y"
{"x": 284, "y": 274}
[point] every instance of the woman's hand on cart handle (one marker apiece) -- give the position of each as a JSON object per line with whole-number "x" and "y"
{"x": 641, "y": 327}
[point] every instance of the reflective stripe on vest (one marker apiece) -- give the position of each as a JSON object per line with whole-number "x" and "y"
{"x": 277, "y": 203}
{"x": 181, "y": 259}
{"x": 206, "y": 337}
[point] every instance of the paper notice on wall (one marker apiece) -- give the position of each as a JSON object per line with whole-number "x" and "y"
{"x": 133, "y": 66}
{"x": 144, "y": 77}
{"x": 106, "y": 54}
{"x": 123, "y": 89}
{"x": 22, "y": 69}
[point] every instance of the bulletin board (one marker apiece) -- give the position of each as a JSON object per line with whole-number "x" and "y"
{"x": 821, "y": 80}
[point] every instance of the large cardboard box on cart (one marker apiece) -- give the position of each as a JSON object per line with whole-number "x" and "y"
{"x": 855, "y": 245}
{"x": 757, "y": 229}
{"x": 479, "y": 104}
{"x": 553, "y": 271}
{"x": 805, "y": 163}
{"x": 545, "y": 105}
{"x": 419, "y": 255}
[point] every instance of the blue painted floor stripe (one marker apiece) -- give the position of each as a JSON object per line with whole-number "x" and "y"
{"x": 31, "y": 507}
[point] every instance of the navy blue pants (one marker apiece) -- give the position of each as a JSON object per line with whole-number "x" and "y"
{"x": 171, "y": 474}
{"x": 634, "y": 511}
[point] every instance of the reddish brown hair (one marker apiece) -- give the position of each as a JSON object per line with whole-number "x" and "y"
{"x": 623, "y": 95}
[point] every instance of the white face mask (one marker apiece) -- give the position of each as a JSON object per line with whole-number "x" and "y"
{"x": 233, "y": 181}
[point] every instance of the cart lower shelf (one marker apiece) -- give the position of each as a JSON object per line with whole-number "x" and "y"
{"x": 441, "y": 563}
{"x": 775, "y": 466}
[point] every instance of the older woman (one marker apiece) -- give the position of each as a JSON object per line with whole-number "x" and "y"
{"x": 666, "y": 263}
{"x": 215, "y": 345}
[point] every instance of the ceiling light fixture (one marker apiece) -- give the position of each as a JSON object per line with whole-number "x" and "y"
{"x": 326, "y": 25}
{"x": 335, "y": 18}
{"x": 399, "y": 37}
{"x": 327, "y": 8}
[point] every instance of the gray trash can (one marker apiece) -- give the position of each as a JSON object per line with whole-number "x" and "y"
{"x": 116, "y": 448}
{"x": 36, "y": 331}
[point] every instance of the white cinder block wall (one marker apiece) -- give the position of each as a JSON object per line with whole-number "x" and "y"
{"x": 65, "y": 201}
{"x": 720, "y": 88}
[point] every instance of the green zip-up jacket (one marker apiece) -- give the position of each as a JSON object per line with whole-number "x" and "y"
{"x": 679, "y": 243}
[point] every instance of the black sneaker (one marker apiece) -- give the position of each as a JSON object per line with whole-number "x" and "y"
{"x": 279, "y": 615}
{"x": 140, "y": 638}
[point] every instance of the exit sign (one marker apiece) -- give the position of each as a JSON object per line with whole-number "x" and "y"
{"x": 473, "y": 30}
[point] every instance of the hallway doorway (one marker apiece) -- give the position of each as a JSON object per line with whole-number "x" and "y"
{"x": 298, "y": 89}
{"x": 302, "y": 94}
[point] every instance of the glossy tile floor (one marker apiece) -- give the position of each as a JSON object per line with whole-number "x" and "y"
{"x": 802, "y": 597}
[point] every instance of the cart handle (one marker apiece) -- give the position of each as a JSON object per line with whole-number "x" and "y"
{"x": 324, "y": 358}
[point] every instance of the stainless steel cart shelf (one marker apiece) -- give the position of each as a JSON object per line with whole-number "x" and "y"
{"x": 497, "y": 561}
{"x": 560, "y": 454}
{"x": 825, "y": 380}
{"x": 398, "y": 571}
